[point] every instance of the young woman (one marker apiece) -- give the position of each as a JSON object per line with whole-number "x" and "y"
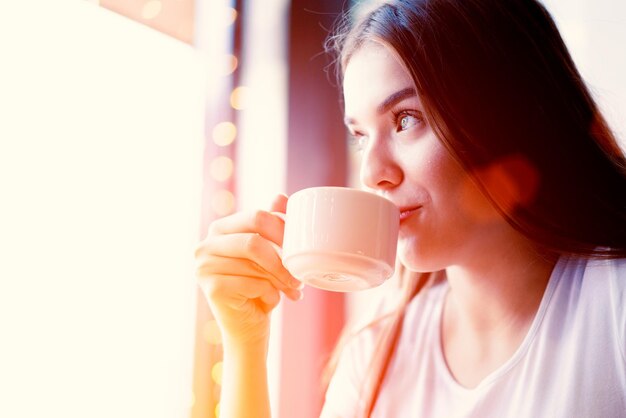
{"x": 474, "y": 121}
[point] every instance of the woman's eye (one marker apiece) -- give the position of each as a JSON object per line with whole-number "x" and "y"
{"x": 358, "y": 140}
{"x": 406, "y": 120}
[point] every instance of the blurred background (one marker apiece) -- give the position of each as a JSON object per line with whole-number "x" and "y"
{"x": 126, "y": 127}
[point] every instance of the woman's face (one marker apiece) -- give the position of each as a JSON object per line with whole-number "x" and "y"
{"x": 444, "y": 216}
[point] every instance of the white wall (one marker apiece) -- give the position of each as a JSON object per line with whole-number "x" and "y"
{"x": 595, "y": 33}
{"x": 100, "y": 158}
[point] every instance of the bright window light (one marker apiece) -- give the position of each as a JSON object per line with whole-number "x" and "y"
{"x": 100, "y": 171}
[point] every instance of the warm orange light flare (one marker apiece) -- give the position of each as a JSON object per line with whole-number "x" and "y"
{"x": 512, "y": 182}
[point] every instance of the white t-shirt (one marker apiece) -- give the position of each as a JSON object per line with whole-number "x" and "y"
{"x": 572, "y": 362}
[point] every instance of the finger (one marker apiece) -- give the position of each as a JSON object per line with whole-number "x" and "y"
{"x": 212, "y": 266}
{"x": 264, "y": 223}
{"x": 223, "y": 266}
{"x": 269, "y": 300}
{"x": 232, "y": 291}
{"x": 209, "y": 266}
{"x": 279, "y": 204}
{"x": 221, "y": 292}
{"x": 252, "y": 247}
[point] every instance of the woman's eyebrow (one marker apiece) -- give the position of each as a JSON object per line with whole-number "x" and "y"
{"x": 391, "y": 100}
{"x": 395, "y": 98}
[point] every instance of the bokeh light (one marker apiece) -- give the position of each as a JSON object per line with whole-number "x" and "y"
{"x": 223, "y": 202}
{"x": 224, "y": 133}
{"x": 216, "y": 372}
{"x": 229, "y": 65}
{"x": 239, "y": 97}
{"x": 211, "y": 332}
{"x": 221, "y": 168}
{"x": 230, "y": 15}
{"x": 217, "y": 410}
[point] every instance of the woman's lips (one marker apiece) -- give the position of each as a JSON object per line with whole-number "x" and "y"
{"x": 406, "y": 212}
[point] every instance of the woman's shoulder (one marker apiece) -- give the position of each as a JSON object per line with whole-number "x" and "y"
{"x": 606, "y": 279}
{"x": 592, "y": 280}
{"x": 595, "y": 288}
{"x": 600, "y": 271}
{"x": 605, "y": 282}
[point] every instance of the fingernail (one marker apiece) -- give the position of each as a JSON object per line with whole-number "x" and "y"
{"x": 295, "y": 283}
{"x": 299, "y": 295}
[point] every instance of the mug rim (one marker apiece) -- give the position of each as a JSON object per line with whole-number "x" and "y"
{"x": 342, "y": 189}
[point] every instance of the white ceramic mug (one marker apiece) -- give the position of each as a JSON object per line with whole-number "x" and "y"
{"x": 339, "y": 238}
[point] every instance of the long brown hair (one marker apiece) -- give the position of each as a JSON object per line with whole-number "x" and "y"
{"x": 410, "y": 284}
{"x": 501, "y": 90}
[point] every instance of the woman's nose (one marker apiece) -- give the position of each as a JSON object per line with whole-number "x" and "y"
{"x": 379, "y": 168}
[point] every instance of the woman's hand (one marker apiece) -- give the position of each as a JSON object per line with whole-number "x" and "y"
{"x": 242, "y": 275}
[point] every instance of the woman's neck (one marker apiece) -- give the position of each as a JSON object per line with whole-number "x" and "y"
{"x": 507, "y": 286}
{"x": 490, "y": 306}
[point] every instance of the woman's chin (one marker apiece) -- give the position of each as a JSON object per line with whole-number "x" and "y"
{"x": 415, "y": 259}
{"x": 411, "y": 257}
